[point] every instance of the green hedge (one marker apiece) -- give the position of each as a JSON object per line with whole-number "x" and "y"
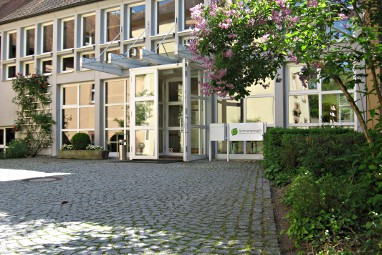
{"x": 335, "y": 187}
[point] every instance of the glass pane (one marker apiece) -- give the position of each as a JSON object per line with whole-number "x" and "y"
{"x": 188, "y": 4}
{"x": 127, "y": 116}
{"x": 47, "y": 66}
{"x": 294, "y": 79}
{"x": 254, "y": 147}
{"x": 68, "y": 34}
{"x": 29, "y": 69}
{"x": 230, "y": 111}
{"x": 195, "y": 141}
{"x": 1, "y": 136}
{"x": 69, "y": 118}
{"x": 167, "y": 49}
{"x": 303, "y": 109}
{"x": 336, "y": 108}
{"x": 259, "y": 89}
{"x": 9, "y": 135}
{"x": 12, "y": 45}
{"x": 70, "y": 95}
{"x": 175, "y": 113}
{"x": 47, "y": 38}
{"x": 114, "y": 116}
{"x": 145, "y": 142}
{"x": 87, "y": 118}
{"x": 137, "y": 21}
{"x": 196, "y": 106}
{"x": 87, "y": 94}
{"x": 67, "y": 64}
{"x": 29, "y": 46}
{"x": 144, "y": 85}
{"x": 112, "y": 139}
{"x": 195, "y": 86}
{"x": 160, "y": 134}
{"x": 88, "y": 26}
{"x": 331, "y": 84}
{"x": 144, "y": 113}
{"x": 260, "y": 110}
{"x": 175, "y": 141}
{"x": 175, "y": 92}
{"x": 165, "y": 16}
{"x": 67, "y": 136}
{"x": 114, "y": 91}
{"x": 235, "y": 148}
{"x": 113, "y": 25}
{"x": 11, "y": 72}
{"x": 160, "y": 115}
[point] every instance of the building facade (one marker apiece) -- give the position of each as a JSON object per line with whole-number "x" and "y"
{"x": 120, "y": 70}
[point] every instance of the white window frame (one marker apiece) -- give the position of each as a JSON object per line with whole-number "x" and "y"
{"x": 24, "y": 68}
{"x": 81, "y": 57}
{"x": 63, "y": 33}
{"x": 26, "y": 40}
{"x": 8, "y": 46}
{"x": 129, "y": 18}
{"x": 7, "y": 72}
{"x": 42, "y": 37}
{"x": 42, "y": 66}
{"x": 62, "y": 64}
{"x": 83, "y": 29}
{"x": 106, "y": 24}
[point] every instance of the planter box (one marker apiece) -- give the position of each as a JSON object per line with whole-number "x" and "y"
{"x": 83, "y": 154}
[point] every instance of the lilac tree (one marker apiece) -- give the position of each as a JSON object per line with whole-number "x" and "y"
{"x": 243, "y": 42}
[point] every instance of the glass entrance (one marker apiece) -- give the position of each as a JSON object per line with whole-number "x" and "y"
{"x": 174, "y": 110}
{"x": 144, "y": 115}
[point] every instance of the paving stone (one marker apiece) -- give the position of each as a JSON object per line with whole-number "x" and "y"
{"x": 134, "y": 208}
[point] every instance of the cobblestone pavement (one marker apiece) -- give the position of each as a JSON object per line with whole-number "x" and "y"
{"x": 110, "y": 207}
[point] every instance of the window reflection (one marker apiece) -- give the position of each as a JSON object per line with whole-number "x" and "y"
{"x": 303, "y": 109}
{"x": 29, "y": 46}
{"x": 144, "y": 85}
{"x": 88, "y": 30}
{"x": 113, "y": 25}
{"x": 137, "y": 21}
{"x": 230, "y": 111}
{"x": 87, "y": 120}
{"x": 144, "y": 113}
{"x": 165, "y": 16}
{"x": 47, "y": 38}
{"x": 189, "y": 23}
{"x": 260, "y": 110}
{"x": 336, "y": 108}
{"x": 12, "y": 45}
{"x": 145, "y": 142}
{"x": 68, "y": 34}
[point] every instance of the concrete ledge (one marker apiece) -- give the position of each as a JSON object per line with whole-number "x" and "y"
{"x": 83, "y": 154}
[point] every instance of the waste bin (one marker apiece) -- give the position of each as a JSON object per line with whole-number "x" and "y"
{"x": 122, "y": 150}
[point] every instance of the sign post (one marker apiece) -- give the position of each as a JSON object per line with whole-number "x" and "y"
{"x": 218, "y": 132}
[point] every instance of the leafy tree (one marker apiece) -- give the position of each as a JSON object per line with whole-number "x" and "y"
{"x": 243, "y": 42}
{"x": 34, "y": 118}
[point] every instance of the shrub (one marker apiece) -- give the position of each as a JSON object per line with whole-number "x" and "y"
{"x": 80, "y": 141}
{"x": 17, "y": 149}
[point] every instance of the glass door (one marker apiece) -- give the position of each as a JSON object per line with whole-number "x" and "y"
{"x": 144, "y": 114}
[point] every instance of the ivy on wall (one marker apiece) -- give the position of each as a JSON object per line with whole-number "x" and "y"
{"x": 34, "y": 118}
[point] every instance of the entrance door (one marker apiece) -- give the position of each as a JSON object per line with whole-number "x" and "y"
{"x": 144, "y": 114}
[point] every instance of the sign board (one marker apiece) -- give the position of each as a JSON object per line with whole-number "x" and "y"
{"x": 217, "y": 132}
{"x": 246, "y": 131}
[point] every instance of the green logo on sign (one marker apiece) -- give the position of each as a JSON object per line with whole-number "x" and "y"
{"x": 234, "y": 131}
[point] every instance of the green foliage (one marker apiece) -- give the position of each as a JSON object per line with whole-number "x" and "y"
{"x": 80, "y": 141}
{"x": 335, "y": 187}
{"x": 17, "y": 149}
{"x": 34, "y": 119}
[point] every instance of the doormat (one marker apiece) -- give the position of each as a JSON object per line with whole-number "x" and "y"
{"x": 161, "y": 161}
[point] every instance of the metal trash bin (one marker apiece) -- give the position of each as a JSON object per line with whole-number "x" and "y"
{"x": 122, "y": 155}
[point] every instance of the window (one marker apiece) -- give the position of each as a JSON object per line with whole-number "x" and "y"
{"x": 113, "y": 25}
{"x": 117, "y": 114}
{"x": 68, "y": 34}
{"x": 0, "y": 47}
{"x": 12, "y": 45}
{"x": 47, "y": 38}
{"x": 189, "y": 23}
{"x": 87, "y": 55}
{"x": 108, "y": 54}
{"x": 137, "y": 21}
{"x": 47, "y": 66}
{"x": 88, "y": 30}
{"x": 77, "y": 111}
{"x": 67, "y": 64}
{"x": 29, "y": 68}
{"x": 29, "y": 41}
{"x": 11, "y": 71}
{"x": 165, "y": 16}
{"x": 316, "y": 104}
